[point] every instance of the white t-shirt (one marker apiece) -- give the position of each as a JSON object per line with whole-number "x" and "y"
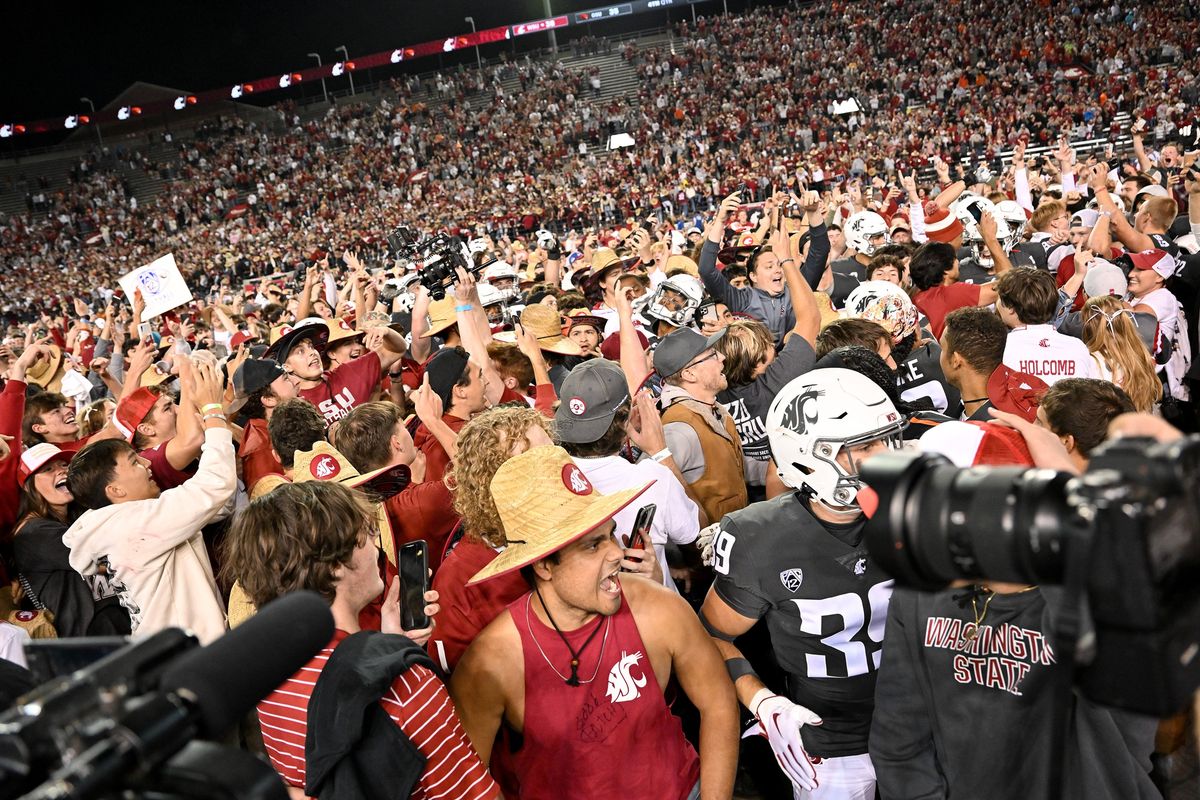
{"x": 675, "y": 520}
{"x": 1165, "y": 307}
{"x": 1042, "y": 351}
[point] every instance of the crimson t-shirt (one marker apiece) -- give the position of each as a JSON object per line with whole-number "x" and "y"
{"x": 935, "y": 303}
{"x": 165, "y": 475}
{"x": 346, "y": 387}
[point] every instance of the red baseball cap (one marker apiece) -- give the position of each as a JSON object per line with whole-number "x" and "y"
{"x": 133, "y": 410}
{"x": 1016, "y": 392}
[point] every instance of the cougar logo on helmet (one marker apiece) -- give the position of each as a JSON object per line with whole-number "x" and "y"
{"x": 802, "y": 412}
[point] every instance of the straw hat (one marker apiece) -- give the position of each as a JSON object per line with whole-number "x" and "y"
{"x": 546, "y": 503}
{"x": 689, "y": 266}
{"x": 544, "y": 323}
{"x": 324, "y": 463}
{"x": 441, "y": 316}
{"x": 155, "y": 375}
{"x": 580, "y": 316}
{"x": 340, "y": 330}
{"x": 44, "y": 373}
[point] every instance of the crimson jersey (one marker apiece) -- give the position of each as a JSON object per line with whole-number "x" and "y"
{"x": 346, "y": 387}
{"x": 825, "y": 604}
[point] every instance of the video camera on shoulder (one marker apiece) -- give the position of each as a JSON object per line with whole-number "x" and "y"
{"x": 1123, "y": 539}
{"x": 438, "y": 257}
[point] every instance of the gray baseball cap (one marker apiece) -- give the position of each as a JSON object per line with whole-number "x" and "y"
{"x": 677, "y": 349}
{"x": 591, "y": 394}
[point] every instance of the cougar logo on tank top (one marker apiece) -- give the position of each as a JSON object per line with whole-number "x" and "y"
{"x": 622, "y": 686}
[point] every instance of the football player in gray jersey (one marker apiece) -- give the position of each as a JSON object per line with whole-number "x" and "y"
{"x": 799, "y": 562}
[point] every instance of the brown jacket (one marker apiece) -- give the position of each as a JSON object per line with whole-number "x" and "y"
{"x": 722, "y": 486}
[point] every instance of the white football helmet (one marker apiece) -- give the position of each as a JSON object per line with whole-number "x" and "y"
{"x": 675, "y": 300}
{"x": 503, "y": 278}
{"x": 969, "y": 208}
{"x": 1011, "y": 212}
{"x": 861, "y": 228}
{"x": 493, "y": 302}
{"x": 819, "y": 415}
{"x": 885, "y": 303}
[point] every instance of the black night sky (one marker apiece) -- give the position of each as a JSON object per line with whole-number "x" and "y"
{"x": 57, "y": 54}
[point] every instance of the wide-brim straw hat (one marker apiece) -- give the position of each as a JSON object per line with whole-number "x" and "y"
{"x": 155, "y": 375}
{"x": 340, "y": 330}
{"x": 545, "y": 503}
{"x": 43, "y": 372}
{"x": 441, "y": 316}
{"x": 544, "y": 323}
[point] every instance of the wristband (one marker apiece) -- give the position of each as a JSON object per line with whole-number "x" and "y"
{"x": 661, "y": 455}
{"x": 787, "y": 261}
{"x": 737, "y": 667}
{"x": 207, "y": 417}
{"x": 204, "y": 409}
{"x": 466, "y": 307}
{"x": 396, "y": 375}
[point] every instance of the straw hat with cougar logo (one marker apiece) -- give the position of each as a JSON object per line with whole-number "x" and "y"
{"x": 546, "y": 503}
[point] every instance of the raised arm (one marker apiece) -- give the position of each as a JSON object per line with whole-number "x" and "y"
{"x": 421, "y": 345}
{"x": 466, "y": 299}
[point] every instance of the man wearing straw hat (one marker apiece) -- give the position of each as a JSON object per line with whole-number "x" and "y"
{"x": 578, "y": 664}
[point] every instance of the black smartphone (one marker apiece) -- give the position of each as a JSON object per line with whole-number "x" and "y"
{"x": 639, "y": 537}
{"x": 414, "y": 582}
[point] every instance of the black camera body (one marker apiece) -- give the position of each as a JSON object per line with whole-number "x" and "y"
{"x": 438, "y": 257}
{"x": 1129, "y": 528}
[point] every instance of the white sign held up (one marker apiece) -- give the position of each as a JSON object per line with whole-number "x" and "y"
{"x": 161, "y": 284}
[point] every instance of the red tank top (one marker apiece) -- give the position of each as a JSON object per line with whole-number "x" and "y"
{"x": 590, "y": 741}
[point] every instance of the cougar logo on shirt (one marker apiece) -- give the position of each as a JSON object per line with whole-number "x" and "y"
{"x": 622, "y": 686}
{"x": 799, "y": 415}
{"x": 325, "y": 468}
{"x": 1044, "y": 343}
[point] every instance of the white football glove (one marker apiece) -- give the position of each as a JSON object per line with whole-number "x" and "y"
{"x": 781, "y": 721}
{"x": 705, "y": 542}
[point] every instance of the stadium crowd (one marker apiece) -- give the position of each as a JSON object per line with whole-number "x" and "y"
{"x": 630, "y": 402}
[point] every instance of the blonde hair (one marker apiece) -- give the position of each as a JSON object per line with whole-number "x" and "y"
{"x": 484, "y": 443}
{"x": 94, "y": 417}
{"x": 745, "y": 345}
{"x": 1110, "y": 332}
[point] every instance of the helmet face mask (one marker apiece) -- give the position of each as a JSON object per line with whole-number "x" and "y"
{"x": 970, "y": 209}
{"x": 817, "y": 417}
{"x": 863, "y": 231}
{"x": 675, "y": 300}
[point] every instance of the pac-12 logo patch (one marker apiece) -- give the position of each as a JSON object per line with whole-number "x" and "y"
{"x": 792, "y": 578}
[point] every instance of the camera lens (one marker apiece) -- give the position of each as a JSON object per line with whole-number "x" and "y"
{"x": 937, "y": 523}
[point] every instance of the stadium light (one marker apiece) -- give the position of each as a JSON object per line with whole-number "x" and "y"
{"x": 349, "y": 65}
{"x": 478, "y": 59}
{"x": 324, "y": 91}
{"x": 99, "y": 136}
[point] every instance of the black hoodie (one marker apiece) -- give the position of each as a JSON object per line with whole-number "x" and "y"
{"x": 81, "y": 606}
{"x": 956, "y": 717}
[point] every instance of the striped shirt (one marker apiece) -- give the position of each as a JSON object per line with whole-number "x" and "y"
{"x": 417, "y": 702}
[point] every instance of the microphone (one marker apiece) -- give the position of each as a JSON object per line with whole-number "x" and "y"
{"x": 202, "y": 695}
{"x": 224, "y": 680}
